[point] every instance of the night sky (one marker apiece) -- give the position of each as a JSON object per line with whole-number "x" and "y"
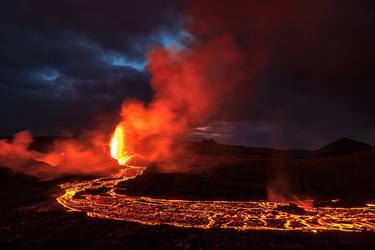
{"x": 66, "y": 66}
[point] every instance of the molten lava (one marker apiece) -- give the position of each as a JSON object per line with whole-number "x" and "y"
{"x": 239, "y": 215}
{"x": 118, "y": 149}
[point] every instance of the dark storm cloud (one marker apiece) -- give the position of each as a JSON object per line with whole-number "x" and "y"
{"x": 310, "y": 66}
{"x": 65, "y": 64}
{"x": 112, "y": 24}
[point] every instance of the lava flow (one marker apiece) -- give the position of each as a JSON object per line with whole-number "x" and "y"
{"x": 99, "y": 198}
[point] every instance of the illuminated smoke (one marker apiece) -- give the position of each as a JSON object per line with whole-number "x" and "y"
{"x": 68, "y": 156}
{"x": 189, "y": 87}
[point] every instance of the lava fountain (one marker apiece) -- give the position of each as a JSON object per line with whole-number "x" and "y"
{"x": 118, "y": 150}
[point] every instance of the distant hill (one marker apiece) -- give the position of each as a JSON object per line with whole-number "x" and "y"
{"x": 341, "y": 147}
{"x": 210, "y": 147}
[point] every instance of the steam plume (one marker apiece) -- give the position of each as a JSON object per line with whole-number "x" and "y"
{"x": 68, "y": 156}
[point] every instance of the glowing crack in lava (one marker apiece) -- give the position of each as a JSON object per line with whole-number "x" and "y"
{"x": 238, "y": 215}
{"x": 241, "y": 215}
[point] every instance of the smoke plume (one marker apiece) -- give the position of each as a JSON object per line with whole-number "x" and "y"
{"x": 67, "y": 157}
{"x": 189, "y": 87}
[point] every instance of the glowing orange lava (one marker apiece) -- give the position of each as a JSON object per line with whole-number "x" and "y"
{"x": 118, "y": 149}
{"x": 239, "y": 215}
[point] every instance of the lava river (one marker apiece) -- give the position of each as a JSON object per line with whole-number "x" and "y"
{"x": 98, "y": 198}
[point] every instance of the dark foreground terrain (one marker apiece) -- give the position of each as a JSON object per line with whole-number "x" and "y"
{"x": 32, "y": 219}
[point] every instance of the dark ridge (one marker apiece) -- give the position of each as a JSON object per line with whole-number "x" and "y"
{"x": 339, "y": 147}
{"x": 207, "y": 147}
{"x": 343, "y": 146}
{"x": 210, "y": 147}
